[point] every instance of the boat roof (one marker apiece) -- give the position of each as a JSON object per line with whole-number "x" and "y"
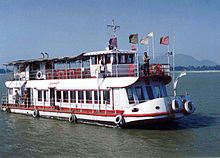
{"x": 82, "y": 56}
{"x": 76, "y": 84}
{"x": 56, "y": 60}
{"x": 109, "y": 52}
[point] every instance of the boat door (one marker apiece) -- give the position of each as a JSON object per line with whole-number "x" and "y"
{"x": 52, "y": 96}
{"x": 29, "y": 95}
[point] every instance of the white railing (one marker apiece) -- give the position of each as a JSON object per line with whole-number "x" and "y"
{"x": 120, "y": 70}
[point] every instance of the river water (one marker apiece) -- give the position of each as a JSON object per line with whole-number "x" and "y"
{"x": 195, "y": 136}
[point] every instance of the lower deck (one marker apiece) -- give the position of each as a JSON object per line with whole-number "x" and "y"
{"x": 106, "y": 118}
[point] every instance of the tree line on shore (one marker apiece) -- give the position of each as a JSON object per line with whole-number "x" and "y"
{"x": 198, "y": 68}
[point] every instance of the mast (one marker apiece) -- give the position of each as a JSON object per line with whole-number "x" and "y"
{"x": 174, "y": 38}
{"x": 113, "y": 27}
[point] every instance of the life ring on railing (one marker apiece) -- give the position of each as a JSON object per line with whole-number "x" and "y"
{"x": 60, "y": 74}
{"x": 119, "y": 120}
{"x": 8, "y": 110}
{"x": 39, "y": 75}
{"x": 175, "y": 105}
{"x": 131, "y": 70}
{"x": 158, "y": 69}
{"x": 189, "y": 108}
{"x": 35, "y": 113}
{"x": 73, "y": 118}
{"x": 70, "y": 73}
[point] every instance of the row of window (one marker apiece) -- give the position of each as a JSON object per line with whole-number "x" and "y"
{"x": 71, "y": 96}
{"x": 152, "y": 92}
{"x": 120, "y": 59}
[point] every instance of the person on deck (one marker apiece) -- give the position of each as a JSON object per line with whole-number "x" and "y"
{"x": 26, "y": 97}
{"x": 17, "y": 97}
{"x": 102, "y": 66}
{"x": 146, "y": 65}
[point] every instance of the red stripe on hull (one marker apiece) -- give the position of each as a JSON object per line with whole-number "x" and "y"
{"x": 93, "y": 112}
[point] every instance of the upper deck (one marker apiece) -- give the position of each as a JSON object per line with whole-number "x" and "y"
{"x": 108, "y": 63}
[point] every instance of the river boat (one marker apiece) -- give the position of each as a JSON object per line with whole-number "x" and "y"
{"x": 108, "y": 87}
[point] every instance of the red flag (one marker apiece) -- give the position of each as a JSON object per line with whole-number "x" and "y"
{"x": 113, "y": 43}
{"x": 164, "y": 40}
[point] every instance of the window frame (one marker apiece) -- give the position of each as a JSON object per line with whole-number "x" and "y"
{"x": 66, "y": 96}
{"x": 40, "y": 95}
{"x": 58, "y": 97}
{"x": 130, "y": 100}
{"x": 142, "y": 99}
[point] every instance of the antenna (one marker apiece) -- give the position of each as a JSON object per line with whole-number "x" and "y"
{"x": 113, "y": 27}
{"x": 42, "y": 55}
{"x": 46, "y": 54}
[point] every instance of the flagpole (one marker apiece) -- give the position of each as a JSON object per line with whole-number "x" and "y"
{"x": 168, "y": 51}
{"x": 148, "y": 48}
{"x": 137, "y": 60}
{"x": 174, "y": 38}
{"x": 153, "y": 47}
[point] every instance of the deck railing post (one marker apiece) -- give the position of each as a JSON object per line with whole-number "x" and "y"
{"x": 105, "y": 106}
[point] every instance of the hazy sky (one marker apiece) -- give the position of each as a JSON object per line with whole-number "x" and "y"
{"x": 69, "y": 27}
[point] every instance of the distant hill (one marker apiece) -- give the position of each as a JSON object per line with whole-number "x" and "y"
{"x": 2, "y": 71}
{"x": 185, "y": 60}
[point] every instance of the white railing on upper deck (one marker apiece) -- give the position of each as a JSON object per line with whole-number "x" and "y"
{"x": 121, "y": 70}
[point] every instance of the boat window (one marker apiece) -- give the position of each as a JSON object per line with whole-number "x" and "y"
{"x": 35, "y": 66}
{"x": 157, "y": 92}
{"x": 49, "y": 65}
{"x": 65, "y": 97}
{"x": 106, "y": 95}
{"x": 10, "y": 91}
{"x": 80, "y": 97}
{"x": 163, "y": 90}
{"x": 72, "y": 96}
{"x": 122, "y": 59}
{"x": 149, "y": 92}
{"x": 140, "y": 94}
{"x": 130, "y": 95}
{"x": 94, "y": 60}
{"x": 45, "y": 95}
{"x": 86, "y": 63}
{"x": 58, "y": 96}
{"x": 130, "y": 59}
{"x": 89, "y": 97}
{"x": 108, "y": 59}
{"x": 39, "y": 95}
{"x": 114, "y": 60}
{"x": 96, "y": 97}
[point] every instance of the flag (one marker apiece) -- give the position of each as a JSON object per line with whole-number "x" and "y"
{"x": 113, "y": 43}
{"x": 151, "y": 34}
{"x": 164, "y": 40}
{"x": 133, "y": 38}
{"x": 144, "y": 40}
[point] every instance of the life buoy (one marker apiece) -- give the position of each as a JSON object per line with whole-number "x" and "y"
{"x": 39, "y": 75}
{"x": 73, "y": 118}
{"x": 188, "y": 106}
{"x": 35, "y": 113}
{"x": 158, "y": 69}
{"x": 8, "y": 110}
{"x": 119, "y": 120}
{"x": 131, "y": 69}
{"x": 175, "y": 105}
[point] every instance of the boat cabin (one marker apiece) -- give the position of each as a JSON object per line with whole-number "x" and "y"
{"x": 108, "y": 63}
